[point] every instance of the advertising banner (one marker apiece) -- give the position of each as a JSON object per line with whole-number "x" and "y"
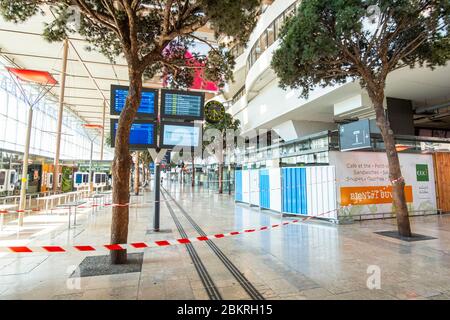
{"x": 362, "y": 181}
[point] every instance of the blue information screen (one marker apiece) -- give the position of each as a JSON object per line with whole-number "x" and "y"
{"x": 79, "y": 178}
{"x": 141, "y": 134}
{"x": 148, "y": 100}
{"x": 182, "y": 136}
{"x": 177, "y": 104}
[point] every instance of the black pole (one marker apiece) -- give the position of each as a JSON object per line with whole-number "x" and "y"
{"x": 229, "y": 180}
{"x": 157, "y": 196}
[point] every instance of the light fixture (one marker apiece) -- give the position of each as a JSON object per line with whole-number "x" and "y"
{"x": 402, "y": 147}
{"x": 92, "y": 126}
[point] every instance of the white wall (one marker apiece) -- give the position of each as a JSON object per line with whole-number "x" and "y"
{"x": 291, "y": 130}
{"x": 370, "y": 169}
{"x": 271, "y": 103}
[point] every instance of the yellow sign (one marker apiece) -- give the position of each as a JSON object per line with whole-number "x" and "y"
{"x": 371, "y": 195}
{"x": 24, "y": 179}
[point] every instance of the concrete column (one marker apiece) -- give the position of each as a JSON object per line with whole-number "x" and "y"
{"x": 103, "y": 130}
{"x": 60, "y": 114}
{"x": 23, "y": 190}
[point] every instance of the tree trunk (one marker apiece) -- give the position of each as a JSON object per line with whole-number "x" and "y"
{"x": 395, "y": 174}
{"x": 121, "y": 168}
{"x": 144, "y": 173}
{"x": 136, "y": 174}
{"x": 220, "y": 178}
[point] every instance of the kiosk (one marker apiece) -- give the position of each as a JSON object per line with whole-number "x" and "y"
{"x": 50, "y": 180}
{"x": 12, "y": 179}
{"x": 99, "y": 179}
{"x": 3, "y": 179}
{"x": 81, "y": 179}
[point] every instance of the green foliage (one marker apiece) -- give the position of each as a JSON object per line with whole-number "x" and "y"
{"x": 19, "y": 11}
{"x": 145, "y": 158}
{"x": 67, "y": 182}
{"x": 232, "y": 17}
{"x": 225, "y": 124}
{"x": 330, "y": 42}
{"x": 108, "y": 141}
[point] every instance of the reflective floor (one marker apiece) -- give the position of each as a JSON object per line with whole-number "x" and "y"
{"x": 310, "y": 260}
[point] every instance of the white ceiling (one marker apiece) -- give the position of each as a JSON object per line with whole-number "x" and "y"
{"x": 89, "y": 74}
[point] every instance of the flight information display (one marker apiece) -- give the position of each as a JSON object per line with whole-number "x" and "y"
{"x": 142, "y": 134}
{"x": 182, "y": 104}
{"x": 180, "y": 135}
{"x": 147, "y": 108}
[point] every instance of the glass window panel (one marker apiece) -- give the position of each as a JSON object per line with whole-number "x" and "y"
{"x": 270, "y": 34}
{"x": 263, "y": 42}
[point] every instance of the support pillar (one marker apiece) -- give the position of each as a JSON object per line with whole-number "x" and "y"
{"x": 90, "y": 167}
{"x": 23, "y": 189}
{"x": 60, "y": 115}
{"x": 157, "y": 195}
{"x": 103, "y": 130}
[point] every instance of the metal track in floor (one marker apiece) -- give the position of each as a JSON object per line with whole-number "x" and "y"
{"x": 237, "y": 274}
{"x": 205, "y": 277}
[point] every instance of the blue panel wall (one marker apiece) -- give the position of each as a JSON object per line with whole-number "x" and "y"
{"x": 238, "y": 185}
{"x": 264, "y": 189}
{"x": 303, "y": 203}
{"x": 294, "y": 190}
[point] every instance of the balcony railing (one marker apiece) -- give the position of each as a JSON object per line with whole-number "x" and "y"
{"x": 238, "y": 95}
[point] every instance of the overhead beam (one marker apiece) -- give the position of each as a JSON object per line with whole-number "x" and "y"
{"x": 56, "y": 58}
{"x": 87, "y": 77}
{"x": 60, "y": 114}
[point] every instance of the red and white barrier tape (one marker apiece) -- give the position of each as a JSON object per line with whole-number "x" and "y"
{"x": 145, "y": 245}
{"x": 137, "y": 245}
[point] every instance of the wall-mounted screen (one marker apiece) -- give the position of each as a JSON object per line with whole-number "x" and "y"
{"x": 147, "y": 108}
{"x": 142, "y": 134}
{"x": 78, "y": 178}
{"x": 174, "y": 134}
{"x": 355, "y": 135}
{"x": 184, "y": 105}
{"x": 2, "y": 177}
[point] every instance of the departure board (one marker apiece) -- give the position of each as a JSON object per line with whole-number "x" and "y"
{"x": 182, "y": 104}
{"x": 149, "y": 101}
{"x": 142, "y": 134}
{"x": 180, "y": 135}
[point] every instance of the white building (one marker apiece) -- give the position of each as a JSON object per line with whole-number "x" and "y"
{"x": 258, "y": 102}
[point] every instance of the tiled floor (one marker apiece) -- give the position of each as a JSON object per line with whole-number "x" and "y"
{"x": 312, "y": 260}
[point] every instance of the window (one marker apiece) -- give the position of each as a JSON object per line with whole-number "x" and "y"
{"x": 263, "y": 42}
{"x": 2, "y": 177}
{"x": 258, "y": 51}
{"x": 290, "y": 11}
{"x": 13, "y": 123}
{"x": 270, "y": 34}
{"x": 278, "y": 25}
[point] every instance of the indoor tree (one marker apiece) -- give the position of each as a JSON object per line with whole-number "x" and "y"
{"x": 226, "y": 123}
{"x": 153, "y": 36}
{"x": 332, "y": 42}
{"x": 145, "y": 159}
{"x": 137, "y": 158}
